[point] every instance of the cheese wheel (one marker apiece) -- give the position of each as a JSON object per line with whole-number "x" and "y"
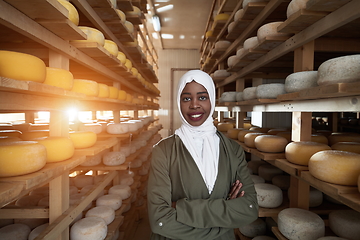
{"x": 57, "y": 148}
{"x": 270, "y": 91}
{"x": 259, "y": 129}
{"x": 250, "y": 43}
{"x": 232, "y": 60}
{"x": 16, "y": 231}
{"x": 92, "y": 35}
{"x": 301, "y": 152}
{"x": 114, "y": 158}
{"x": 91, "y": 127}
{"x": 104, "y": 91}
{"x": 296, "y": 223}
{"x": 347, "y": 146}
{"x": 233, "y": 132}
{"x": 113, "y": 92}
{"x": 121, "y": 15}
{"x": 224, "y": 127}
{"x": 123, "y": 190}
{"x": 104, "y": 212}
{"x": 240, "y": 52}
{"x": 338, "y": 167}
{"x": 249, "y": 93}
{"x": 122, "y": 95}
{"x": 275, "y": 131}
{"x": 343, "y": 137}
{"x": 256, "y": 228}
{"x": 243, "y": 132}
{"x": 128, "y": 64}
{"x": 270, "y": 143}
{"x": 228, "y": 97}
{"x": 300, "y": 80}
{"x": 73, "y": 13}
{"x": 221, "y": 17}
{"x": 268, "y": 172}
{"x": 81, "y": 181}
{"x": 286, "y": 135}
{"x": 129, "y": 26}
{"x": 222, "y": 44}
{"x": 122, "y": 57}
{"x": 32, "y": 68}
{"x": 87, "y": 87}
{"x": 315, "y": 197}
{"x": 132, "y": 126}
{"x": 239, "y": 96}
{"x": 83, "y": 139}
{"x": 117, "y": 128}
{"x": 59, "y": 78}
{"x": 268, "y": 195}
{"x": 111, "y": 200}
{"x": 270, "y": 30}
{"x": 221, "y": 73}
{"x": 294, "y": 6}
{"x": 22, "y": 157}
{"x": 231, "y": 26}
{"x": 36, "y": 231}
{"x": 345, "y": 223}
{"x": 319, "y": 138}
{"x": 111, "y": 47}
{"x": 339, "y": 70}
{"x": 257, "y": 179}
{"x": 90, "y": 228}
{"x": 249, "y": 138}
{"x": 239, "y": 14}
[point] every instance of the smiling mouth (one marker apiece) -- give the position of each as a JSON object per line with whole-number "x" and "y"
{"x": 196, "y": 117}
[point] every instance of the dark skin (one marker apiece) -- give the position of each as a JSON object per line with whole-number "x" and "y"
{"x": 195, "y": 101}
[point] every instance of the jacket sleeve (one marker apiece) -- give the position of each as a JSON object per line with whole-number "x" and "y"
{"x": 205, "y": 213}
{"x": 163, "y": 217}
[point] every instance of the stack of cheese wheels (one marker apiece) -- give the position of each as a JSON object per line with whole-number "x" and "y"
{"x": 300, "y": 152}
{"x": 91, "y": 127}
{"x": 57, "y": 148}
{"x": 104, "y": 212}
{"x": 113, "y": 158}
{"x": 111, "y": 200}
{"x": 345, "y": 223}
{"x": 339, "y": 70}
{"x": 233, "y": 132}
{"x": 270, "y": 143}
{"x": 256, "y": 228}
{"x": 319, "y": 138}
{"x": 249, "y": 138}
{"x": 92, "y": 228}
{"x": 347, "y": 146}
{"x": 268, "y": 172}
{"x": 270, "y": 91}
{"x": 104, "y": 91}
{"x": 32, "y": 68}
{"x": 111, "y": 47}
{"x": 82, "y": 139}
{"x": 73, "y": 13}
{"x": 92, "y": 35}
{"x": 124, "y": 191}
{"x": 16, "y": 231}
{"x": 333, "y": 166}
{"x": 59, "y": 78}
{"x": 300, "y": 80}
{"x": 87, "y": 87}
{"x": 249, "y": 93}
{"x": 343, "y": 137}
{"x": 21, "y": 157}
{"x": 224, "y": 126}
{"x": 296, "y": 223}
{"x": 294, "y": 6}
{"x": 268, "y": 195}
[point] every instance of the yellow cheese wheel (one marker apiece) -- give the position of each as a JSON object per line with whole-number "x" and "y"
{"x": 208, "y": 33}
{"x": 10, "y": 133}
{"x": 59, "y": 78}
{"x": 82, "y": 139}
{"x": 319, "y": 138}
{"x": 111, "y": 47}
{"x": 224, "y": 127}
{"x": 121, "y": 15}
{"x": 30, "y": 135}
{"x": 249, "y": 138}
{"x": 343, "y": 137}
{"x": 32, "y": 68}
{"x": 233, "y": 132}
{"x": 23, "y": 157}
{"x": 128, "y": 64}
{"x": 73, "y": 13}
{"x": 57, "y": 148}
{"x": 129, "y": 98}
{"x": 270, "y": 143}
{"x": 113, "y": 92}
{"x": 122, "y": 95}
{"x": 259, "y": 129}
{"x": 104, "y": 91}
{"x": 122, "y": 57}
{"x": 242, "y": 134}
{"x": 300, "y": 152}
{"x": 92, "y": 35}
{"x": 87, "y": 87}
{"x": 134, "y": 71}
{"x": 333, "y": 166}
{"x": 221, "y": 16}
{"x": 347, "y": 146}
{"x": 129, "y": 26}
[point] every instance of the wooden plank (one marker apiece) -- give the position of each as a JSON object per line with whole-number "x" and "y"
{"x": 135, "y": 18}
{"x": 100, "y": 3}
{"x": 10, "y": 191}
{"x": 15, "y": 212}
{"x": 106, "y": 13}
{"x": 268, "y": 156}
{"x": 113, "y": 227}
{"x": 325, "y": 5}
{"x": 125, "y": 5}
{"x": 97, "y": 148}
{"x": 270, "y": 43}
{"x": 278, "y": 234}
{"x": 290, "y": 168}
{"x": 273, "y": 212}
{"x": 253, "y": 9}
{"x": 239, "y": 26}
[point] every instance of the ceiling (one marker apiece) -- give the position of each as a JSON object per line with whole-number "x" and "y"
{"x": 183, "y": 23}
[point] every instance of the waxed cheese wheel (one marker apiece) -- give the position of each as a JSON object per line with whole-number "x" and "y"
{"x": 122, "y": 57}
{"x": 224, "y": 127}
{"x": 300, "y": 80}
{"x": 268, "y": 172}
{"x": 343, "y": 137}
{"x": 122, "y": 190}
{"x": 296, "y": 223}
{"x": 59, "y": 78}
{"x": 294, "y": 6}
{"x": 300, "y": 152}
{"x": 111, "y": 200}
{"x": 243, "y": 132}
{"x": 339, "y": 70}
{"x": 270, "y": 91}
{"x": 87, "y": 87}
{"x": 73, "y": 13}
{"x": 22, "y": 157}
{"x": 268, "y": 195}
{"x": 270, "y": 143}
{"x": 113, "y": 158}
{"x": 113, "y": 92}
{"x": 270, "y": 30}
{"x": 92, "y": 35}
{"x": 57, "y": 148}
{"x": 249, "y": 93}
{"x": 233, "y": 132}
{"x": 249, "y": 138}
{"x": 345, "y": 223}
{"x": 221, "y": 73}
{"x": 90, "y": 228}
{"x": 104, "y": 212}
{"x": 14, "y": 231}
{"x": 347, "y": 146}
{"x": 221, "y": 17}
{"x": 111, "y": 47}
{"x": 91, "y": 127}
{"x": 32, "y": 68}
{"x": 82, "y": 139}
{"x": 250, "y": 43}
{"x": 333, "y": 166}
{"x": 104, "y": 91}
{"x": 228, "y": 97}
{"x": 256, "y": 228}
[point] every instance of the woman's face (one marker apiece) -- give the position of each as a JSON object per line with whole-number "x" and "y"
{"x": 195, "y": 103}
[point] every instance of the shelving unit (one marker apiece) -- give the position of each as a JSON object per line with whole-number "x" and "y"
{"x": 46, "y": 32}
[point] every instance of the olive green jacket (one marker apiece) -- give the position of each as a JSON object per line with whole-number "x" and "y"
{"x": 174, "y": 177}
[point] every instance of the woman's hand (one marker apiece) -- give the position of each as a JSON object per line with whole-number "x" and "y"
{"x": 235, "y": 191}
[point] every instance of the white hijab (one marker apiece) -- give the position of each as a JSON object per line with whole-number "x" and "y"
{"x": 201, "y": 141}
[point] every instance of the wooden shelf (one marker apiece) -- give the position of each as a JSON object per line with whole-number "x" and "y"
{"x": 290, "y": 168}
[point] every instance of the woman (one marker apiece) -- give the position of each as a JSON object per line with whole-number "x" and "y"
{"x": 194, "y": 188}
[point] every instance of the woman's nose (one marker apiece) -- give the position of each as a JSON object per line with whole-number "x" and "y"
{"x": 194, "y": 103}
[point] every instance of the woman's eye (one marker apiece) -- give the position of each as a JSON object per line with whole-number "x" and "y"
{"x": 186, "y": 99}
{"x": 203, "y": 98}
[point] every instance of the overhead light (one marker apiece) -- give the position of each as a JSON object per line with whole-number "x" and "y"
{"x": 156, "y": 23}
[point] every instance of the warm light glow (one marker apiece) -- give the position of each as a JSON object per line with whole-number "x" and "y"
{"x": 156, "y": 23}
{"x": 72, "y": 113}
{"x": 167, "y": 36}
{"x": 165, "y": 8}
{"x": 155, "y": 35}
{"x": 182, "y": 36}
